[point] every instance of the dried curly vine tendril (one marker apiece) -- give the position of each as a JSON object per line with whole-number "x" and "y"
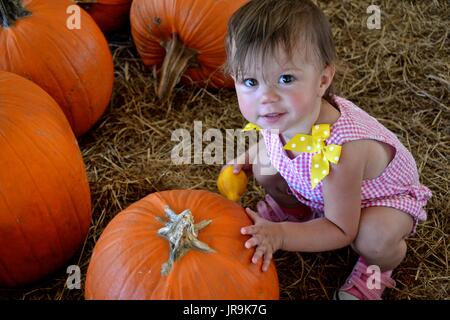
{"x": 182, "y": 234}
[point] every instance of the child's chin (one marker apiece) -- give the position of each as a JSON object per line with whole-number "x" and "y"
{"x": 274, "y": 128}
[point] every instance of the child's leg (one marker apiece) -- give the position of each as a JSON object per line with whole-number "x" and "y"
{"x": 279, "y": 196}
{"x": 380, "y": 242}
{"x": 381, "y": 236}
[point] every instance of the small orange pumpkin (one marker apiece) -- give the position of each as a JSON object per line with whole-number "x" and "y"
{"x": 73, "y": 65}
{"x": 184, "y": 37}
{"x": 110, "y": 15}
{"x": 231, "y": 185}
{"x": 131, "y": 261}
{"x": 45, "y": 204}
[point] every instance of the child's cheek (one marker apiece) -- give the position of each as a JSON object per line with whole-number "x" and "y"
{"x": 299, "y": 103}
{"x": 247, "y": 109}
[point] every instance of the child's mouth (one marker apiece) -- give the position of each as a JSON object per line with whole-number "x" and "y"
{"x": 272, "y": 118}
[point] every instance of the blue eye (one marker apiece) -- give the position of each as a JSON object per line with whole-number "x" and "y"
{"x": 250, "y": 82}
{"x": 286, "y": 78}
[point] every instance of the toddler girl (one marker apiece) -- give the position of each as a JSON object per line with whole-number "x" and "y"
{"x": 336, "y": 176}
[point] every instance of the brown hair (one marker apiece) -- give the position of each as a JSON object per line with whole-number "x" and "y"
{"x": 260, "y": 27}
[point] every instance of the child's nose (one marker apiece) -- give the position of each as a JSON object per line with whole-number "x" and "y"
{"x": 269, "y": 95}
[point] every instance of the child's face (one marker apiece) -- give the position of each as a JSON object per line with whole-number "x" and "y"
{"x": 287, "y": 97}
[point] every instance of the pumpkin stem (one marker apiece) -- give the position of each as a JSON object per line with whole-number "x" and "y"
{"x": 178, "y": 58}
{"x": 182, "y": 234}
{"x": 11, "y": 11}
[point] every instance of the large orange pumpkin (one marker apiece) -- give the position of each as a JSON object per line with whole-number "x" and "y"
{"x": 73, "y": 65}
{"x": 45, "y": 207}
{"x": 110, "y": 15}
{"x": 130, "y": 260}
{"x": 187, "y": 35}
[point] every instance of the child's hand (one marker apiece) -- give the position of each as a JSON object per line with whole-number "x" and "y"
{"x": 240, "y": 163}
{"x": 237, "y": 167}
{"x": 265, "y": 235}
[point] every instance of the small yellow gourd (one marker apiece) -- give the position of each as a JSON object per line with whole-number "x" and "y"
{"x": 231, "y": 185}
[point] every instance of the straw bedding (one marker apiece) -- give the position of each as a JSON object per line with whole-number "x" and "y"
{"x": 399, "y": 74}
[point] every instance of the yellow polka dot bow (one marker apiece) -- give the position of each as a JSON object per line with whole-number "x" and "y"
{"x": 251, "y": 126}
{"x": 315, "y": 143}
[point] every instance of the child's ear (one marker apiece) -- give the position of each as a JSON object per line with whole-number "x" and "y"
{"x": 326, "y": 78}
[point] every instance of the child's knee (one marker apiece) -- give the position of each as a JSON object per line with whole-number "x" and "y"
{"x": 272, "y": 184}
{"x": 265, "y": 178}
{"x": 374, "y": 247}
{"x": 279, "y": 190}
{"x": 262, "y": 167}
{"x": 380, "y": 233}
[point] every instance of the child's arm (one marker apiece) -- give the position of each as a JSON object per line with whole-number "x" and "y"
{"x": 342, "y": 199}
{"x": 245, "y": 160}
{"x": 313, "y": 236}
{"x": 339, "y": 227}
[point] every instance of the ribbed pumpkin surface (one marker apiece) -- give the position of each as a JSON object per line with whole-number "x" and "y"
{"x": 199, "y": 24}
{"x": 127, "y": 259}
{"x": 45, "y": 206}
{"x": 73, "y": 65}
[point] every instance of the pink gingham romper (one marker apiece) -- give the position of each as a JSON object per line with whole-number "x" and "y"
{"x": 397, "y": 187}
